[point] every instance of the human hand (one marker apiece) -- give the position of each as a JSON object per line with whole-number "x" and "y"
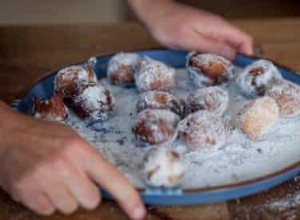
{"x": 179, "y": 26}
{"x": 46, "y": 166}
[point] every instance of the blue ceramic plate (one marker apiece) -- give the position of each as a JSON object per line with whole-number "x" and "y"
{"x": 176, "y": 59}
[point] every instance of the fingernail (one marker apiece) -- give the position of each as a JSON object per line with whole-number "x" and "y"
{"x": 138, "y": 213}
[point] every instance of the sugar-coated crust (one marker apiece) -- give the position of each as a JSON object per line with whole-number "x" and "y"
{"x": 72, "y": 80}
{"x": 121, "y": 68}
{"x": 160, "y": 100}
{"x": 95, "y": 103}
{"x": 258, "y": 116}
{"x": 287, "y": 96}
{"x": 256, "y": 78}
{"x": 208, "y": 69}
{"x": 213, "y": 99}
{"x": 155, "y": 126}
{"x": 202, "y": 130}
{"x": 154, "y": 75}
{"x": 162, "y": 168}
{"x": 50, "y": 110}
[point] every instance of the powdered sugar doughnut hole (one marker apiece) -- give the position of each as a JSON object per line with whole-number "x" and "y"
{"x": 154, "y": 75}
{"x": 208, "y": 69}
{"x": 95, "y": 103}
{"x": 213, "y": 99}
{"x": 287, "y": 96}
{"x": 202, "y": 130}
{"x": 258, "y": 117}
{"x": 72, "y": 80}
{"x": 162, "y": 168}
{"x": 50, "y": 110}
{"x": 160, "y": 100}
{"x": 155, "y": 127}
{"x": 121, "y": 68}
{"x": 256, "y": 78}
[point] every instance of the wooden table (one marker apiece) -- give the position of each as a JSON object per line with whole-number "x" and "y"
{"x": 29, "y": 53}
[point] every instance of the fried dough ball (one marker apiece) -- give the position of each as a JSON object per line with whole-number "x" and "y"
{"x": 155, "y": 126}
{"x": 208, "y": 69}
{"x": 202, "y": 130}
{"x": 72, "y": 80}
{"x": 160, "y": 100}
{"x": 287, "y": 96}
{"x": 154, "y": 75}
{"x": 213, "y": 99}
{"x": 50, "y": 110}
{"x": 121, "y": 68}
{"x": 95, "y": 103}
{"x": 258, "y": 117}
{"x": 256, "y": 78}
{"x": 163, "y": 168}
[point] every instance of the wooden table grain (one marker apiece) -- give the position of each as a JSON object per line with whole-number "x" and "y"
{"x": 29, "y": 53}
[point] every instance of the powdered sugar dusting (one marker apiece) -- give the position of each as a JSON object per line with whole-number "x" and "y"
{"x": 123, "y": 59}
{"x": 82, "y": 73}
{"x": 206, "y": 58}
{"x": 213, "y": 99}
{"x": 71, "y": 80}
{"x": 160, "y": 100}
{"x": 205, "y": 61}
{"x": 257, "y": 77}
{"x": 155, "y": 126}
{"x": 202, "y": 130}
{"x": 97, "y": 101}
{"x": 154, "y": 75}
{"x": 238, "y": 160}
{"x": 287, "y": 96}
{"x": 50, "y": 117}
{"x": 162, "y": 168}
{"x": 258, "y": 117}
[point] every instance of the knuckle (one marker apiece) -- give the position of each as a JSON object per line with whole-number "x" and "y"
{"x": 61, "y": 167}
{"x": 58, "y": 162}
{"x": 72, "y": 144}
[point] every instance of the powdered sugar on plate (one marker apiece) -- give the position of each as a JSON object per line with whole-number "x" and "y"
{"x": 238, "y": 160}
